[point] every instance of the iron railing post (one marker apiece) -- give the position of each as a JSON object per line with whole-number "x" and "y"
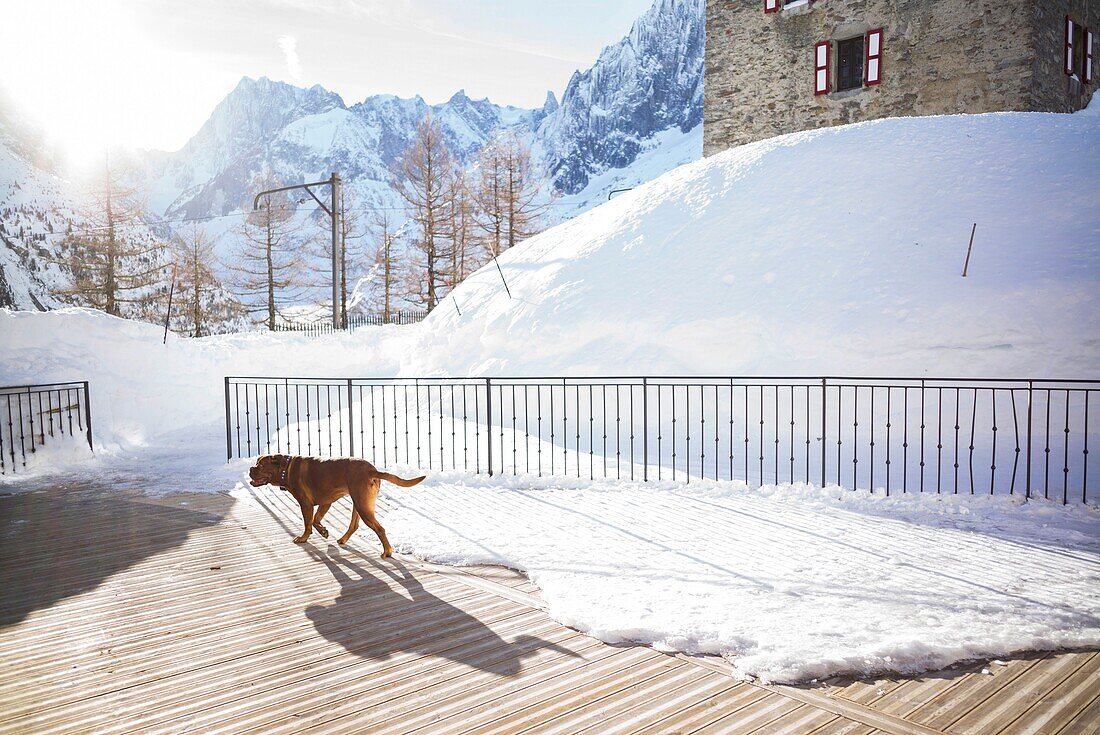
{"x": 1030, "y": 386}
{"x": 645, "y": 430}
{"x": 228, "y": 426}
{"x": 824, "y": 400}
{"x": 88, "y": 415}
{"x": 489, "y": 423}
{"x": 351, "y": 422}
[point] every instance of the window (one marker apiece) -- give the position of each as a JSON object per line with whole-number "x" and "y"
{"x": 849, "y": 64}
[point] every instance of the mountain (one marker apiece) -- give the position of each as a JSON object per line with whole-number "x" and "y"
{"x": 648, "y": 83}
{"x": 633, "y": 115}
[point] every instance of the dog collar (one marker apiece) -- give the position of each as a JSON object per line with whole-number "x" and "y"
{"x": 284, "y": 472}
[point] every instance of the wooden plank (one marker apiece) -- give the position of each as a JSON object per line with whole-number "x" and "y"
{"x": 801, "y": 720}
{"x": 1088, "y": 721}
{"x": 843, "y": 726}
{"x": 1049, "y": 711}
{"x": 247, "y": 681}
{"x": 704, "y": 712}
{"x": 752, "y": 717}
{"x": 941, "y": 714}
{"x": 568, "y": 692}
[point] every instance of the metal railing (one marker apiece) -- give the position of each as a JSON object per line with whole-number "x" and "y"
{"x": 315, "y": 329}
{"x": 31, "y": 415}
{"x": 887, "y": 434}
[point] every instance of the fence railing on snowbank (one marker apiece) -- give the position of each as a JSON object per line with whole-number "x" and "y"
{"x": 892, "y": 435}
{"x": 32, "y": 415}
{"x": 315, "y": 329}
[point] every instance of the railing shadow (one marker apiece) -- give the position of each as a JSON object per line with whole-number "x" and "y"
{"x": 65, "y": 541}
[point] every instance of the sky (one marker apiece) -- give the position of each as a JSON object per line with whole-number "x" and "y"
{"x": 147, "y": 73}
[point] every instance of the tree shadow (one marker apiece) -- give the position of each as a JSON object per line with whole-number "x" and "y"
{"x": 371, "y": 619}
{"x": 65, "y": 541}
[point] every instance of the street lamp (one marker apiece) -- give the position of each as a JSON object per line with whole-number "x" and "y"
{"x": 333, "y": 211}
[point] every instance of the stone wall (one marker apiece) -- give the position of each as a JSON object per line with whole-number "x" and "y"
{"x": 939, "y": 57}
{"x": 1051, "y": 89}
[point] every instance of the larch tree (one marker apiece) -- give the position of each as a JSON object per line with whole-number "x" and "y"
{"x": 267, "y": 274}
{"x": 423, "y": 179}
{"x": 204, "y": 307}
{"x": 461, "y": 228}
{"x": 386, "y": 268}
{"x": 116, "y": 264}
{"x": 509, "y": 193}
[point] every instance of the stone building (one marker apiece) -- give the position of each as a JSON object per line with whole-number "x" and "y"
{"x": 779, "y": 66}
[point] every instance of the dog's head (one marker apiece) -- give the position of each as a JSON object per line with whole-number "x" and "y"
{"x": 266, "y": 471}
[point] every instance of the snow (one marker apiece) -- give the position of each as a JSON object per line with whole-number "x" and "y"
{"x": 746, "y": 262}
{"x": 788, "y": 583}
{"x": 754, "y": 262}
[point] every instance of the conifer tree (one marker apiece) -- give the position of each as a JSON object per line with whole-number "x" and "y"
{"x": 267, "y": 274}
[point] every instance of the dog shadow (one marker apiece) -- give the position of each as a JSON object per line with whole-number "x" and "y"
{"x": 371, "y": 619}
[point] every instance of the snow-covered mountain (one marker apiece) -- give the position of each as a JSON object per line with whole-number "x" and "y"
{"x": 633, "y": 115}
{"x": 611, "y": 114}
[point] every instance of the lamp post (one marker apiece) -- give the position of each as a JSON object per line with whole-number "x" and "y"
{"x": 333, "y": 211}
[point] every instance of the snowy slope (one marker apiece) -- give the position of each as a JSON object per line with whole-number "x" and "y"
{"x": 755, "y": 262}
{"x": 745, "y": 262}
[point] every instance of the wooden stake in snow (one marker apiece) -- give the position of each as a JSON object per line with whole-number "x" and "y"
{"x": 970, "y": 247}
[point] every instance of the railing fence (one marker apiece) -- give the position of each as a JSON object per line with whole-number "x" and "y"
{"x": 355, "y": 321}
{"x": 31, "y": 415}
{"x": 890, "y": 435}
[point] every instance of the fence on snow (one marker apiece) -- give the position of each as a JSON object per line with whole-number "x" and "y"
{"x": 888, "y": 434}
{"x": 32, "y": 415}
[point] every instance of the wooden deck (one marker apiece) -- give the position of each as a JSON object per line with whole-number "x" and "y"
{"x": 196, "y": 614}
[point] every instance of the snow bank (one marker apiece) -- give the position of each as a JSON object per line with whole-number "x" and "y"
{"x": 143, "y": 389}
{"x": 788, "y": 583}
{"x": 836, "y": 251}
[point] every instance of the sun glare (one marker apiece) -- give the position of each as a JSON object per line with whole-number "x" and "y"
{"x": 90, "y": 77}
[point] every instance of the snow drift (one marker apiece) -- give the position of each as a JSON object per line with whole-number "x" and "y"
{"x": 836, "y": 251}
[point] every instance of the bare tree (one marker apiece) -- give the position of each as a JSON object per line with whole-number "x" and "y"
{"x": 386, "y": 267}
{"x": 423, "y": 181}
{"x": 204, "y": 305}
{"x": 509, "y": 194}
{"x": 268, "y": 271}
{"x": 461, "y": 226}
{"x": 115, "y": 266}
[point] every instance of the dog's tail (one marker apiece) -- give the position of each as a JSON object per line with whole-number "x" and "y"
{"x": 400, "y": 481}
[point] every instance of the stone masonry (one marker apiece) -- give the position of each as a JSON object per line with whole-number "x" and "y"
{"x": 938, "y": 57}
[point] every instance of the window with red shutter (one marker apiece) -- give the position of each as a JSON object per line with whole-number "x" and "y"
{"x": 1069, "y": 46}
{"x": 1087, "y": 77}
{"x": 821, "y": 68}
{"x": 872, "y": 69}
{"x": 771, "y": 6}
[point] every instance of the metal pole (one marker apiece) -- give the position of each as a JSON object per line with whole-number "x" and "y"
{"x": 824, "y": 400}
{"x": 171, "y": 292}
{"x": 336, "y": 316}
{"x": 489, "y": 421}
{"x": 228, "y": 426}
{"x": 351, "y": 422}
{"x": 970, "y": 247}
{"x": 88, "y": 414}
{"x": 645, "y": 430}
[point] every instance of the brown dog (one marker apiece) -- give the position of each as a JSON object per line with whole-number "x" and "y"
{"x": 321, "y": 482}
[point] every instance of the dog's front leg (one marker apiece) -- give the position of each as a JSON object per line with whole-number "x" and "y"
{"x": 307, "y": 519}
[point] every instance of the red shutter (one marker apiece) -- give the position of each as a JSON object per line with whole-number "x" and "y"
{"x": 872, "y": 68}
{"x": 1069, "y": 46}
{"x": 771, "y": 6}
{"x": 821, "y": 68}
{"x": 1088, "y": 56}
